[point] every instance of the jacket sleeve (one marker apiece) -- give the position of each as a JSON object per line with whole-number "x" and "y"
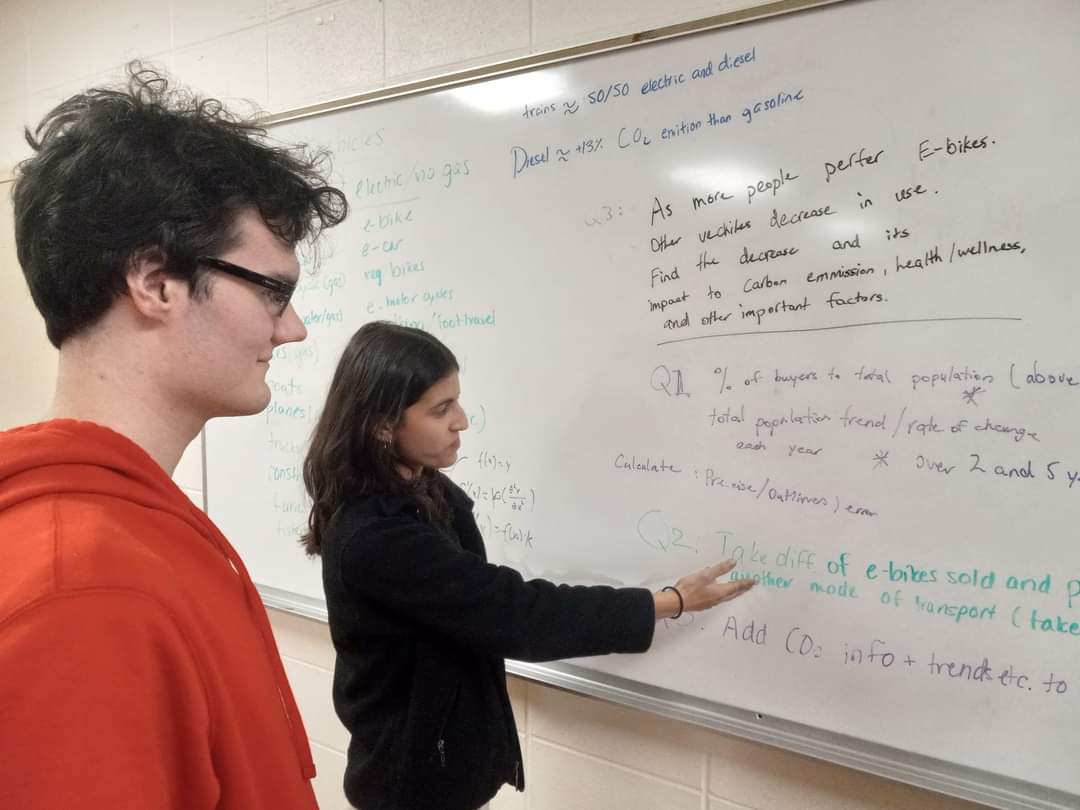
{"x": 411, "y": 567}
{"x": 102, "y": 705}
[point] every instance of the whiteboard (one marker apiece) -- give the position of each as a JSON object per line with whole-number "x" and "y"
{"x": 800, "y": 291}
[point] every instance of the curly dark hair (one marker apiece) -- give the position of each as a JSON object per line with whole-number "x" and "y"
{"x": 150, "y": 168}
{"x": 385, "y": 369}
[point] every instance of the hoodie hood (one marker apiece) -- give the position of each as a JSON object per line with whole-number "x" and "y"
{"x": 69, "y": 456}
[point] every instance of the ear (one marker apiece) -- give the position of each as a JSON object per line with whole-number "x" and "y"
{"x": 153, "y": 292}
{"x": 385, "y": 433}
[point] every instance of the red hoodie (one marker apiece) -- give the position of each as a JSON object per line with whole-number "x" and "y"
{"x": 137, "y": 665}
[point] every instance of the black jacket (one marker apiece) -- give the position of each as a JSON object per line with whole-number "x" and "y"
{"x": 421, "y": 623}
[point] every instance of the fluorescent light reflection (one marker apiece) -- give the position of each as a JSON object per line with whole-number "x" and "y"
{"x": 511, "y": 93}
{"x": 730, "y": 178}
{"x": 846, "y": 227}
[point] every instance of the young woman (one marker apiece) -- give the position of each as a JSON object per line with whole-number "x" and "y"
{"x": 420, "y": 620}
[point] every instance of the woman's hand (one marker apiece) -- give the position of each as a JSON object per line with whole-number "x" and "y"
{"x": 700, "y": 591}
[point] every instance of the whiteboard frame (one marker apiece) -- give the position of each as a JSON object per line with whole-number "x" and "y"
{"x": 922, "y": 771}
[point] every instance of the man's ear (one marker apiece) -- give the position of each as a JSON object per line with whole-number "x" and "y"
{"x": 153, "y": 292}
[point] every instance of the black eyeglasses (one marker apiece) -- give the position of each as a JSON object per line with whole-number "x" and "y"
{"x": 280, "y": 292}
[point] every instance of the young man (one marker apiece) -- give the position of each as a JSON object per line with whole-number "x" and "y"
{"x": 137, "y": 665}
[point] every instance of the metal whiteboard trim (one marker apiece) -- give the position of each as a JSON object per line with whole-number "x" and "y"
{"x": 892, "y": 763}
{"x": 508, "y": 67}
{"x": 202, "y": 450}
{"x": 293, "y": 603}
{"x": 937, "y": 775}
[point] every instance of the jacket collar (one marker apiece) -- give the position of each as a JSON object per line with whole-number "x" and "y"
{"x": 389, "y": 504}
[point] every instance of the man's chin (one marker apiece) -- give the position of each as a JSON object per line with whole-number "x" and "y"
{"x": 254, "y": 405}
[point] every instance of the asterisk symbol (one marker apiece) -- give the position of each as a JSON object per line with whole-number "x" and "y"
{"x": 881, "y": 459}
{"x": 969, "y": 396}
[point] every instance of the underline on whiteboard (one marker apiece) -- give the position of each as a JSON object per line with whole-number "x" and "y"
{"x": 844, "y": 326}
{"x": 384, "y": 204}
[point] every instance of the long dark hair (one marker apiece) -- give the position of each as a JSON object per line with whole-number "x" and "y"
{"x": 384, "y": 369}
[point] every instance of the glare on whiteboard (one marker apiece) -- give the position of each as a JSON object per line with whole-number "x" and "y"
{"x": 510, "y": 93}
{"x": 711, "y": 177}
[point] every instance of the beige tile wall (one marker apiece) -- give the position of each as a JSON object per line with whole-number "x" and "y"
{"x": 586, "y": 754}
{"x": 580, "y": 753}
